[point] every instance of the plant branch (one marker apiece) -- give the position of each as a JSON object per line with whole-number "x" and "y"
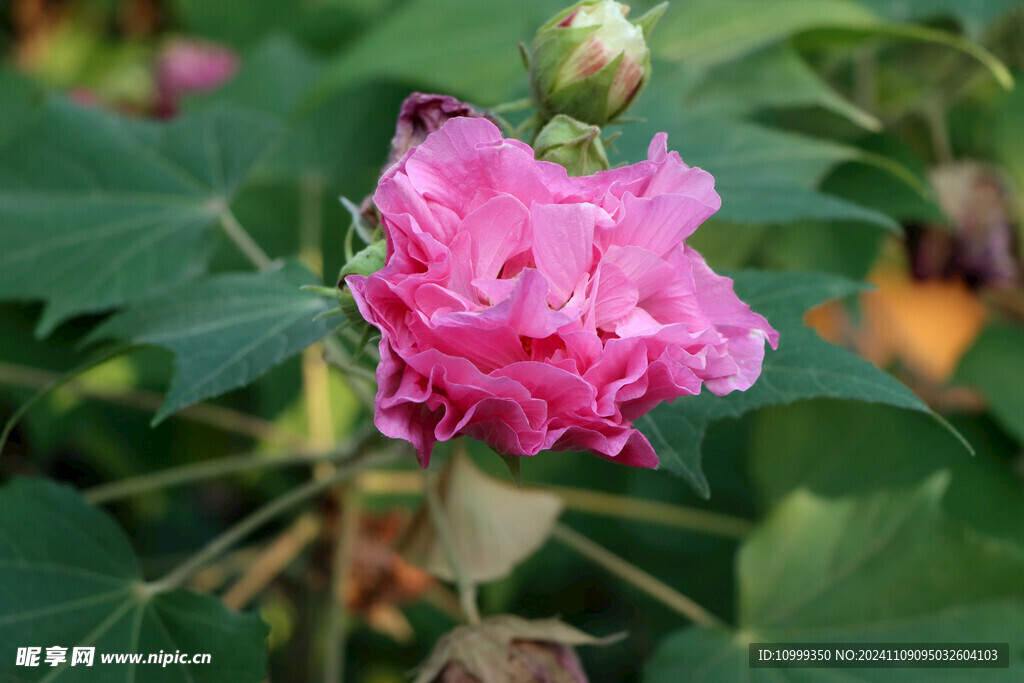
{"x": 244, "y": 241}
{"x": 467, "y": 590}
{"x": 341, "y": 570}
{"x": 271, "y": 561}
{"x": 381, "y": 482}
{"x": 211, "y": 415}
{"x": 651, "y": 511}
{"x": 275, "y": 508}
{"x": 627, "y": 571}
{"x": 219, "y": 467}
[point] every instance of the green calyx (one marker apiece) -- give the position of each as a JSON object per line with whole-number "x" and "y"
{"x": 572, "y": 144}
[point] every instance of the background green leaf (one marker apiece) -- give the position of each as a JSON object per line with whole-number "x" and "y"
{"x": 993, "y": 366}
{"x": 225, "y": 331}
{"x": 60, "y": 557}
{"x": 805, "y": 366}
{"x": 97, "y": 210}
{"x": 888, "y": 567}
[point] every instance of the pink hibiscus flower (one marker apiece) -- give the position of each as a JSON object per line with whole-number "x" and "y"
{"x": 536, "y": 311}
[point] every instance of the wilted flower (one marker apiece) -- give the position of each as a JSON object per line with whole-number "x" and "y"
{"x": 980, "y": 246}
{"x": 590, "y": 61}
{"x": 536, "y": 311}
{"x": 508, "y": 648}
{"x": 421, "y": 114}
{"x": 191, "y": 66}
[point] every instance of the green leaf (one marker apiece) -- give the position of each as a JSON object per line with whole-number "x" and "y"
{"x": 823, "y": 446}
{"x": 805, "y": 366}
{"x": 274, "y": 77}
{"x": 883, "y": 568}
{"x": 237, "y": 22}
{"x": 20, "y": 103}
{"x": 224, "y": 331}
{"x": 69, "y": 578}
{"x": 703, "y": 33}
{"x": 774, "y": 77}
{"x": 97, "y": 210}
{"x": 974, "y": 15}
{"x": 480, "y": 60}
{"x": 993, "y": 366}
{"x": 763, "y": 175}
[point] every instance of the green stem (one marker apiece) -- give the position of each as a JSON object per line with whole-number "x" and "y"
{"x": 244, "y": 241}
{"x": 219, "y": 467}
{"x": 627, "y": 571}
{"x": 360, "y": 380}
{"x": 651, "y": 512}
{"x": 275, "y": 508}
{"x": 513, "y": 106}
{"x": 100, "y": 357}
{"x": 344, "y": 552}
{"x": 467, "y": 589}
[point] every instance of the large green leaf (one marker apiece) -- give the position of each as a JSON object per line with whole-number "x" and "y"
{"x": 773, "y": 77}
{"x": 274, "y": 77}
{"x": 883, "y": 568}
{"x": 97, "y": 210}
{"x": 461, "y": 47}
{"x": 224, "y": 331}
{"x": 993, "y": 365}
{"x": 703, "y": 33}
{"x": 822, "y": 446}
{"x": 805, "y": 366}
{"x": 973, "y": 14}
{"x": 20, "y": 102}
{"x": 763, "y": 175}
{"x": 69, "y": 578}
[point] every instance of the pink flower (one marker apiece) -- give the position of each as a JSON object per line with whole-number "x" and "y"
{"x": 536, "y": 311}
{"x": 191, "y": 66}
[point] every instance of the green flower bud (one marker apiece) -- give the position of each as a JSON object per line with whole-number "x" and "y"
{"x": 590, "y": 62}
{"x": 366, "y": 262}
{"x": 572, "y": 144}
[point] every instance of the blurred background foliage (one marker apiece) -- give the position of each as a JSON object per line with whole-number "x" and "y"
{"x": 872, "y": 140}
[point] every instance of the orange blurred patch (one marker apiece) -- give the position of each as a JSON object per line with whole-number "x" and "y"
{"x": 927, "y": 326}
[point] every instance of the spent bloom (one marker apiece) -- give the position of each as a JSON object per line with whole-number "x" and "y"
{"x": 590, "y": 61}
{"x": 421, "y": 114}
{"x": 509, "y": 649}
{"x": 533, "y": 310}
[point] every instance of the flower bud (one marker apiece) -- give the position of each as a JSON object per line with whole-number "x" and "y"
{"x": 590, "y": 61}
{"x": 572, "y": 144}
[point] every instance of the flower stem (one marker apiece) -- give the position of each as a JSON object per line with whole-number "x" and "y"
{"x": 219, "y": 467}
{"x": 222, "y": 543}
{"x": 467, "y": 589}
{"x": 627, "y": 571}
{"x": 244, "y": 241}
{"x": 513, "y": 106}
